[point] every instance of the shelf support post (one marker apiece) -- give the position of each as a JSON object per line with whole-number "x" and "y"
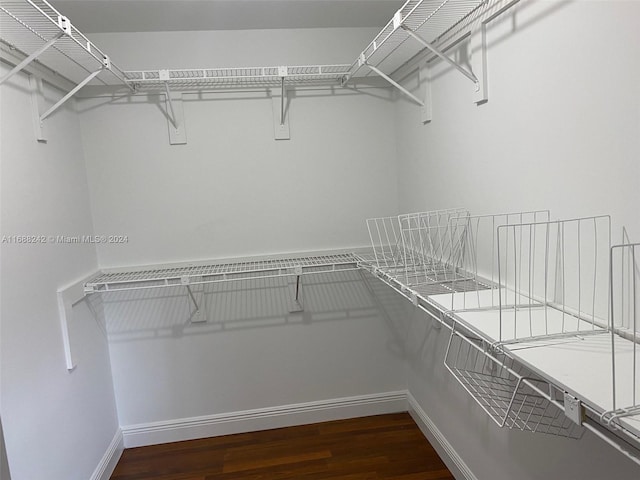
{"x": 427, "y": 110}
{"x": 37, "y": 105}
{"x": 441, "y": 55}
{"x": 70, "y": 94}
{"x": 396, "y": 84}
{"x": 31, "y": 57}
{"x": 174, "y": 112}
{"x": 282, "y": 101}
{"x": 478, "y": 50}
{"x": 197, "y": 316}
{"x": 297, "y": 300}
{"x": 280, "y": 117}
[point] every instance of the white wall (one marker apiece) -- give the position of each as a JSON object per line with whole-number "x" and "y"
{"x": 560, "y": 131}
{"x": 57, "y": 425}
{"x": 234, "y": 191}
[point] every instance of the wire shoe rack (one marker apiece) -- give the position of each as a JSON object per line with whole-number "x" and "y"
{"x": 543, "y": 321}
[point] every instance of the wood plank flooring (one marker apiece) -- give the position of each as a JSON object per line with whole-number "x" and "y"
{"x": 379, "y": 447}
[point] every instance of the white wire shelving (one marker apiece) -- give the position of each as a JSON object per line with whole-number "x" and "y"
{"x": 220, "y": 272}
{"x": 39, "y": 31}
{"x": 544, "y": 330}
{"x": 237, "y": 77}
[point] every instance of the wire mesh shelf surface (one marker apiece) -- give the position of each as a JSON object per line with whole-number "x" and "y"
{"x": 438, "y": 22}
{"x": 418, "y": 248}
{"x": 27, "y": 25}
{"x": 511, "y": 396}
{"x": 221, "y": 272}
{"x": 238, "y": 77}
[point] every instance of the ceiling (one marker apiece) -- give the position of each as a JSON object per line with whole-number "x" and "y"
{"x": 102, "y": 16}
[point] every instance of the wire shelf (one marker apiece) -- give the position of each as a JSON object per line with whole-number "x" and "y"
{"x": 27, "y": 25}
{"x": 244, "y": 77}
{"x": 419, "y": 248}
{"x": 210, "y": 273}
{"x": 625, "y": 304}
{"x": 512, "y": 397}
{"x": 436, "y": 21}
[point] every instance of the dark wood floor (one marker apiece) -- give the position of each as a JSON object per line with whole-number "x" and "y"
{"x": 383, "y": 446}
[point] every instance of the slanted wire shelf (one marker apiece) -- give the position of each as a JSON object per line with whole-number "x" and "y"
{"x": 511, "y": 396}
{"x": 221, "y": 272}
{"x": 238, "y": 77}
{"x": 27, "y": 25}
{"x": 436, "y": 21}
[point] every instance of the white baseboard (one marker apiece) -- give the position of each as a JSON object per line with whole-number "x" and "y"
{"x": 449, "y": 456}
{"x": 110, "y": 458}
{"x": 263, "y": 418}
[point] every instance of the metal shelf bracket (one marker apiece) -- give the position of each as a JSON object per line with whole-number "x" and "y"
{"x": 31, "y": 57}
{"x": 174, "y": 112}
{"x": 280, "y": 114}
{"x": 363, "y": 61}
{"x": 442, "y": 55}
{"x": 297, "y": 300}
{"x": 197, "y": 314}
{"x": 37, "y": 105}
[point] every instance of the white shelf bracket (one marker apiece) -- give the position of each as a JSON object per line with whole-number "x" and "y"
{"x": 478, "y": 50}
{"x": 441, "y": 55}
{"x": 31, "y": 57}
{"x": 297, "y": 300}
{"x": 174, "y": 112}
{"x": 280, "y": 114}
{"x": 68, "y": 297}
{"x": 70, "y": 94}
{"x": 396, "y": 84}
{"x": 37, "y": 105}
{"x": 197, "y": 314}
{"x": 171, "y": 110}
{"x": 427, "y": 107}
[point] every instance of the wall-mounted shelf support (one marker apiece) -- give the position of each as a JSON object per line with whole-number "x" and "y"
{"x": 196, "y": 316}
{"x": 68, "y": 297}
{"x": 392, "y": 81}
{"x": 37, "y": 105}
{"x": 442, "y": 55}
{"x": 32, "y": 57}
{"x": 478, "y": 50}
{"x": 280, "y": 117}
{"x": 427, "y": 110}
{"x": 174, "y": 112}
{"x": 63, "y": 100}
{"x": 297, "y": 300}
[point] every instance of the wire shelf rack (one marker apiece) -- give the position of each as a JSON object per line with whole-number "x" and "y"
{"x": 436, "y": 21}
{"x": 419, "y": 249}
{"x": 625, "y": 305}
{"x": 220, "y": 272}
{"x": 238, "y": 77}
{"x": 28, "y": 25}
{"x": 510, "y": 395}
